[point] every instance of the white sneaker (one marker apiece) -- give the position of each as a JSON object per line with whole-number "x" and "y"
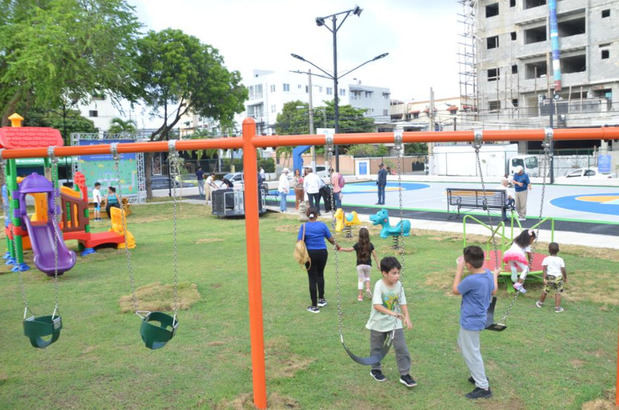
{"x": 518, "y": 286}
{"x": 539, "y": 304}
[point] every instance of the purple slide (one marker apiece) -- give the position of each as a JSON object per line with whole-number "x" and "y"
{"x": 42, "y": 239}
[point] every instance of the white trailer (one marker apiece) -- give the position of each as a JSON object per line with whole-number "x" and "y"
{"x": 496, "y": 160}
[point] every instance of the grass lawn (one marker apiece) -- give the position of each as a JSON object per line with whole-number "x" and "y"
{"x": 543, "y": 359}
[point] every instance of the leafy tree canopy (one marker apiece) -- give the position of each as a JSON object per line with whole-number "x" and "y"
{"x": 66, "y": 122}
{"x": 180, "y": 75}
{"x": 120, "y": 126}
{"x": 57, "y": 52}
{"x": 294, "y": 119}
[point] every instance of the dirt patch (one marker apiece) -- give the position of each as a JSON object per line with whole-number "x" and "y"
{"x": 281, "y": 362}
{"x": 440, "y": 280}
{"x": 3, "y": 378}
{"x": 158, "y": 297}
{"x": 599, "y": 404}
{"x": 88, "y": 349}
{"x": 216, "y": 343}
{"x": 246, "y": 401}
{"x": 577, "y": 363}
{"x": 593, "y": 286}
{"x": 287, "y": 228}
{"x": 208, "y": 240}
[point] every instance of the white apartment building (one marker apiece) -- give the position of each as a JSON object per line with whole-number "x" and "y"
{"x": 270, "y": 90}
{"x": 101, "y": 110}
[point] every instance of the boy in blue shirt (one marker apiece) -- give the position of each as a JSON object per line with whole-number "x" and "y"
{"x": 476, "y": 290}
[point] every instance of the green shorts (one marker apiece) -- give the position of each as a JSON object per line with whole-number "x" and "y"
{"x": 554, "y": 283}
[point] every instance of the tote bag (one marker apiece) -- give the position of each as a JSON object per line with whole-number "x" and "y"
{"x": 300, "y": 251}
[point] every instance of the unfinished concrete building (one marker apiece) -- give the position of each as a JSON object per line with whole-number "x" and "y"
{"x": 521, "y": 60}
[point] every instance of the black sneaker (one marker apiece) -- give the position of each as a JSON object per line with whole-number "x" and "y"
{"x": 472, "y": 381}
{"x": 479, "y": 393}
{"x": 377, "y": 375}
{"x": 322, "y": 302}
{"x": 313, "y": 309}
{"x": 408, "y": 381}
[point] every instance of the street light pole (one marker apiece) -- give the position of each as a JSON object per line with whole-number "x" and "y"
{"x": 311, "y": 118}
{"x": 336, "y": 96}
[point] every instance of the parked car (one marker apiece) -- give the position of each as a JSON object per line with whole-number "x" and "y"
{"x": 236, "y": 178}
{"x": 161, "y": 182}
{"x": 584, "y": 174}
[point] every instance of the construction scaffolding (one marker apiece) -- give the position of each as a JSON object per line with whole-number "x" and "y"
{"x": 467, "y": 60}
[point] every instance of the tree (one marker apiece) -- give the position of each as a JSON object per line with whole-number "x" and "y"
{"x": 54, "y": 53}
{"x": 351, "y": 119}
{"x": 294, "y": 119}
{"x": 120, "y": 126}
{"x": 67, "y": 121}
{"x": 180, "y": 75}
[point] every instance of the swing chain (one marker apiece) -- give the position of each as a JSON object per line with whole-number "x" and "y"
{"x": 173, "y": 161}
{"x": 546, "y": 144}
{"x": 397, "y": 140}
{"x": 477, "y": 143}
{"x": 134, "y": 299}
{"x": 509, "y": 308}
{"x": 56, "y": 214}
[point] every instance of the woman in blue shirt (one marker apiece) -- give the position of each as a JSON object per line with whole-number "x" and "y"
{"x": 315, "y": 234}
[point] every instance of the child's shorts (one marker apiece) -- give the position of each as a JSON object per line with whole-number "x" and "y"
{"x": 554, "y": 283}
{"x": 97, "y": 207}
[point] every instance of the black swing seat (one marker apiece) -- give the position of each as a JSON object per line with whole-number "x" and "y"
{"x": 490, "y": 325}
{"x": 371, "y": 360}
{"x": 42, "y": 330}
{"x": 157, "y": 329}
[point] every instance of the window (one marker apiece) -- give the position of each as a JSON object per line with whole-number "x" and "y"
{"x": 515, "y": 102}
{"x": 535, "y": 35}
{"x": 272, "y": 88}
{"x": 286, "y": 87}
{"x": 605, "y": 13}
{"x": 589, "y": 173}
{"x": 329, "y": 91}
{"x": 515, "y": 69}
{"x": 415, "y": 114}
{"x": 299, "y": 86}
{"x": 605, "y": 54}
{"x": 494, "y": 105}
{"x": 535, "y": 70}
{"x": 386, "y": 96}
{"x": 512, "y": 3}
{"x": 529, "y": 4}
{"x": 571, "y": 27}
{"x": 273, "y": 108}
{"x": 494, "y": 74}
{"x": 492, "y": 10}
{"x": 385, "y": 112}
{"x": 93, "y": 113}
{"x": 306, "y": 89}
{"x": 513, "y": 35}
{"x": 98, "y": 96}
{"x": 342, "y": 92}
{"x": 368, "y": 94}
{"x": 531, "y": 162}
{"x": 492, "y": 42}
{"x": 574, "y": 64}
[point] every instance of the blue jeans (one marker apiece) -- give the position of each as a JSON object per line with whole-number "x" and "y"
{"x": 337, "y": 198}
{"x": 381, "y": 194}
{"x": 282, "y": 201}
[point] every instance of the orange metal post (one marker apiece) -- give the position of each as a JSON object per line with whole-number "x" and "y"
{"x": 252, "y": 240}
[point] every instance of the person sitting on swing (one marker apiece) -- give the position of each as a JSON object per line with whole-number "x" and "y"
{"x": 389, "y": 311}
{"x": 476, "y": 290}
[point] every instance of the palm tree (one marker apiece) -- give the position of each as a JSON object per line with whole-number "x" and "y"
{"x": 119, "y": 126}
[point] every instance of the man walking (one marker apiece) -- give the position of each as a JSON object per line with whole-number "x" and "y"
{"x": 522, "y": 186}
{"x": 382, "y": 183}
{"x": 210, "y": 187}
{"x": 311, "y": 185}
{"x": 283, "y": 188}
{"x": 336, "y": 182}
{"x": 200, "y": 178}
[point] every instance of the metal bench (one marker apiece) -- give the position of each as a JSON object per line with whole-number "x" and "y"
{"x": 477, "y": 198}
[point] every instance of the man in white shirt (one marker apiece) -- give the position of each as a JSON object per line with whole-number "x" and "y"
{"x": 210, "y": 187}
{"x": 311, "y": 185}
{"x": 283, "y": 188}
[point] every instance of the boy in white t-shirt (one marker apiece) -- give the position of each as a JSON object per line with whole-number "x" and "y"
{"x": 96, "y": 197}
{"x": 554, "y": 277}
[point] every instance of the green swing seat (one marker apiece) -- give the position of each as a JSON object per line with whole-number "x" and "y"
{"x": 157, "y": 329}
{"x": 42, "y": 330}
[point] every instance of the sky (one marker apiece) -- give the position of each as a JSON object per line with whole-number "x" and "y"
{"x": 419, "y": 35}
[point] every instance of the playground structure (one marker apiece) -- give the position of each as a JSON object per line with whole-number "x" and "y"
{"x": 494, "y": 258}
{"x": 250, "y": 142}
{"x": 345, "y": 222}
{"x": 41, "y": 232}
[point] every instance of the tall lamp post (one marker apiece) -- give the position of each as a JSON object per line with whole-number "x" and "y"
{"x": 320, "y": 22}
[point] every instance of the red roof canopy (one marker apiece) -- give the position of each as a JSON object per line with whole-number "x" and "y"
{"x": 29, "y": 137}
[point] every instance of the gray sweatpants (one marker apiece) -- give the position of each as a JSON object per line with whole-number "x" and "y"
{"x": 402, "y": 357}
{"x": 468, "y": 340}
